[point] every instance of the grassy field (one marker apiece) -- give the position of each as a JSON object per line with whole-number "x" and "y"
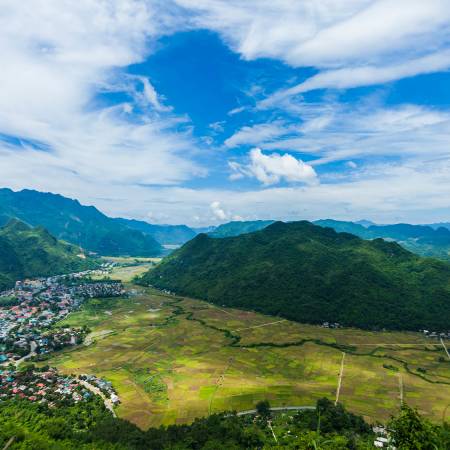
{"x": 173, "y": 359}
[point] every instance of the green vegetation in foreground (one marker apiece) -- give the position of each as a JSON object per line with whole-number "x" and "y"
{"x": 329, "y": 427}
{"x": 81, "y": 225}
{"x": 33, "y": 252}
{"x": 206, "y": 359}
{"x": 307, "y": 273}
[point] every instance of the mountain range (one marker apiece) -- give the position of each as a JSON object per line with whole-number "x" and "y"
{"x": 33, "y": 252}
{"x": 313, "y": 274}
{"x": 425, "y": 240}
{"x": 87, "y": 227}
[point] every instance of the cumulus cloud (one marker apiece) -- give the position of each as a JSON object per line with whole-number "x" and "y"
{"x": 273, "y": 168}
{"x": 217, "y": 210}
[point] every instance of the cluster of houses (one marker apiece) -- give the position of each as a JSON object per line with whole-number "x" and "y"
{"x": 331, "y": 325}
{"x": 104, "y": 386}
{"x": 44, "y": 385}
{"x": 436, "y": 335}
{"x": 34, "y": 305}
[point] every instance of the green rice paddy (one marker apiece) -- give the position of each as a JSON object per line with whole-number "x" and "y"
{"x": 173, "y": 359}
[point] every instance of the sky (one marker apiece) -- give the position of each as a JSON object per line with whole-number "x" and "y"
{"x": 206, "y": 111}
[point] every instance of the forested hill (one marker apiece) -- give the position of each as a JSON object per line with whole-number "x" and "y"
{"x": 32, "y": 252}
{"x": 307, "y": 273}
{"x": 236, "y": 228}
{"x": 81, "y": 225}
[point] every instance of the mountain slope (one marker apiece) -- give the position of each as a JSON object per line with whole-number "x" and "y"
{"x": 236, "y": 228}
{"x": 308, "y": 273}
{"x": 421, "y": 239}
{"x": 81, "y": 225}
{"x": 164, "y": 234}
{"x": 33, "y": 252}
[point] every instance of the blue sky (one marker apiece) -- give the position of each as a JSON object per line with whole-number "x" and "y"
{"x": 204, "y": 111}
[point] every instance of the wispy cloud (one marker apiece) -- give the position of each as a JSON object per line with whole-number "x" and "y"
{"x": 401, "y": 38}
{"x": 58, "y": 59}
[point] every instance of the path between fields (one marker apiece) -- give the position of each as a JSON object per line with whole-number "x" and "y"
{"x": 262, "y": 325}
{"x": 445, "y": 348}
{"x": 95, "y": 390}
{"x": 278, "y": 408}
{"x": 341, "y": 373}
{"x": 92, "y": 337}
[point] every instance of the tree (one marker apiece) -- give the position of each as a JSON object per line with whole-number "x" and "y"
{"x": 263, "y": 408}
{"x": 410, "y": 431}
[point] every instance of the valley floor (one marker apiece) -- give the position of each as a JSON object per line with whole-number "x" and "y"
{"x": 172, "y": 359}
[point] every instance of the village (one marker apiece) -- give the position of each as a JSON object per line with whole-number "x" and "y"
{"x": 27, "y": 315}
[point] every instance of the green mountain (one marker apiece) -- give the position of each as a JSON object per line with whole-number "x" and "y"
{"x": 237, "y": 227}
{"x": 164, "y": 234}
{"x": 68, "y": 220}
{"x": 421, "y": 239}
{"x": 33, "y": 252}
{"x": 307, "y": 273}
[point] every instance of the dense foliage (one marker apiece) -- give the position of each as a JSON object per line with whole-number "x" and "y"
{"x": 312, "y": 274}
{"x": 164, "y": 234}
{"x": 33, "y": 252}
{"x": 81, "y": 225}
{"x": 90, "y": 426}
{"x": 421, "y": 239}
{"x": 236, "y": 228}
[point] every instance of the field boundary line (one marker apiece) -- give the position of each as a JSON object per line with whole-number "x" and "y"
{"x": 400, "y": 386}
{"x": 445, "y": 348}
{"x": 341, "y": 373}
{"x": 261, "y": 325}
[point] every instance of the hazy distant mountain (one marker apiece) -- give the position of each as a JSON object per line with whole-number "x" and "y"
{"x": 365, "y": 223}
{"x": 236, "y": 228}
{"x": 82, "y": 225}
{"x": 421, "y": 239}
{"x": 164, "y": 234}
{"x": 312, "y": 274}
{"x": 435, "y": 226}
{"x": 32, "y": 252}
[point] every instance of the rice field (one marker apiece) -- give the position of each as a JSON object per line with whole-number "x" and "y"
{"x": 173, "y": 359}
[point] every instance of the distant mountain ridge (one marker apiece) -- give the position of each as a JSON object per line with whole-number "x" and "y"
{"x": 33, "y": 252}
{"x": 236, "y": 228}
{"x": 309, "y": 273}
{"x": 421, "y": 239}
{"x": 164, "y": 234}
{"x": 81, "y": 225}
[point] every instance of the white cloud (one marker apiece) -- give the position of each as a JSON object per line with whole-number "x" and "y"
{"x": 366, "y": 75}
{"x": 58, "y": 55}
{"x": 363, "y": 41}
{"x": 273, "y": 168}
{"x": 333, "y": 132}
{"x": 217, "y": 210}
{"x": 150, "y": 95}
{"x": 256, "y": 134}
